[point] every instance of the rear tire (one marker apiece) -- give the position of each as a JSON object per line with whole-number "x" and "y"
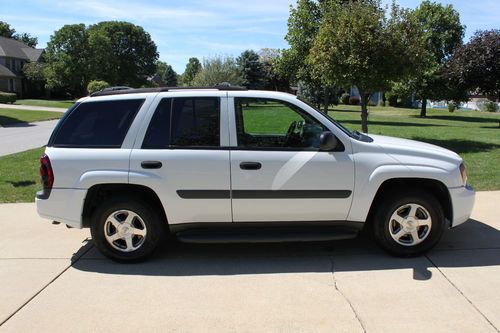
{"x": 409, "y": 224}
{"x": 126, "y": 230}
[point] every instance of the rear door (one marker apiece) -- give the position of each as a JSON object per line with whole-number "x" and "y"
{"x": 277, "y": 171}
{"x": 182, "y": 154}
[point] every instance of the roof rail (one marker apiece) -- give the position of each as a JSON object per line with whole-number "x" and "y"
{"x": 127, "y": 90}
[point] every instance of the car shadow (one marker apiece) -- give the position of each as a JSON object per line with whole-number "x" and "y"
{"x": 360, "y": 254}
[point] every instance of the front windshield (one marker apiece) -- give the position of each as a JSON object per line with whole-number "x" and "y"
{"x": 336, "y": 123}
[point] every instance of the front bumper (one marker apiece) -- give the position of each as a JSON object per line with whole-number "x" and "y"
{"x": 462, "y": 200}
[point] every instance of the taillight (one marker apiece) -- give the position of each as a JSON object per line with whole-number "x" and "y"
{"x": 46, "y": 173}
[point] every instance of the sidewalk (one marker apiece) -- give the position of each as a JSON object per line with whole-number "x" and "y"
{"x": 16, "y": 138}
{"x": 30, "y": 107}
{"x": 52, "y": 280}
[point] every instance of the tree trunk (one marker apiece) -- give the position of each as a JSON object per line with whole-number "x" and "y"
{"x": 326, "y": 101}
{"x": 364, "y": 111}
{"x": 423, "y": 110}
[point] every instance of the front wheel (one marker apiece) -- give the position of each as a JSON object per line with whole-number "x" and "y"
{"x": 409, "y": 224}
{"x": 126, "y": 230}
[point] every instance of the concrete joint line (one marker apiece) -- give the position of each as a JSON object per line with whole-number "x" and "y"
{"x": 463, "y": 295}
{"x": 44, "y": 287}
{"x": 356, "y": 315}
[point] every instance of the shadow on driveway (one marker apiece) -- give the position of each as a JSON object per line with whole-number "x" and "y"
{"x": 361, "y": 254}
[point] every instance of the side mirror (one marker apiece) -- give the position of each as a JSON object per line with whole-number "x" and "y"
{"x": 328, "y": 141}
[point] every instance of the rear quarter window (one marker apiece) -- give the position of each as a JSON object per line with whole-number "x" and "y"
{"x": 102, "y": 124}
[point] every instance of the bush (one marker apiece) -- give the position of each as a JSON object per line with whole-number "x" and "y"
{"x": 95, "y": 85}
{"x": 7, "y": 97}
{"x": 381, "y": 103}
{"x": 371, "y": 103}
{"x": 345, "y": 98}
{"x": 354, "y": 100}
{"x": 392, "y": 99}
{"x": 489, "y": 107}
{"x": 452, "y": 106}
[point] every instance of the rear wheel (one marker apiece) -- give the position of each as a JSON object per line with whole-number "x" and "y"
{"x": 409, "y": 224}
{"x": 125, "y": 229}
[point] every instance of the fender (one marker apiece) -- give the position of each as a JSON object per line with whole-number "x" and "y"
{"x": 367, "y": 186}
{"x": 96, "y": 177}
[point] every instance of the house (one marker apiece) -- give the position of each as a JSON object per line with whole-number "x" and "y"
{"x": 13, "y": 56}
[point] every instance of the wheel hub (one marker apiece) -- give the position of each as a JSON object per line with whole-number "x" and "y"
{"x": 410, "y": 224}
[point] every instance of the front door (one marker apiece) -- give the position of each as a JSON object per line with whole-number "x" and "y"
{"x": 278, "y": 172}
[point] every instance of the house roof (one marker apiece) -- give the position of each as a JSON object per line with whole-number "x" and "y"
{"x": 12, "y": 48}
{"x": 5, "y": 72}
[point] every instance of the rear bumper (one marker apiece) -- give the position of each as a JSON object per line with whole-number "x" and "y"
{"x": 462, "y": 199}
{"x": 62, "y": 205}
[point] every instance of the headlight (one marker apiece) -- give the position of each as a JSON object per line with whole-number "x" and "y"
{"x": 463, "y": 173}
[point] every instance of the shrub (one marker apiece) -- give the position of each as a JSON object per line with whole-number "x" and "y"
{"x": 96, "y": 85}
{"x": 7, "y": 97}
{"x": 452, "y": 106}
{"x": 392, "y": 99}
{"x": 381, "y": 103}
{"x": 489, "y": 107}
{"x": 345, "y": 98}
{"x": 371, "y": 103}
{"x": 354, "y": 100}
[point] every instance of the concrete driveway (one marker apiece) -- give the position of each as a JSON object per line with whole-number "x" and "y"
{"x": 53, "y": 280}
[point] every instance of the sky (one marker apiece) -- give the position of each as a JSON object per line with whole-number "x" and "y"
{"x": 185, "y": 28}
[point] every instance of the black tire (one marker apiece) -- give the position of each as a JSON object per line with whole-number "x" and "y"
{"x": 382, "y": 223}
{"x": 148, "y": 217}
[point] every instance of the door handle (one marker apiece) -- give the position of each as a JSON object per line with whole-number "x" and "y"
{"x": 250, "y": 165}
{"x": 151, "y": 164}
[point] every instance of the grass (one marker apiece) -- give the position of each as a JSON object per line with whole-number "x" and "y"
{"x": 474, "y": 135}
{"x": 19, "y": 176}
{"x": 45, "y": 102}
{"x": 13, "y": 116}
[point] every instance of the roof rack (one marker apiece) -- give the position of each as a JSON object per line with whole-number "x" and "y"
{"x": 126, "y": 90}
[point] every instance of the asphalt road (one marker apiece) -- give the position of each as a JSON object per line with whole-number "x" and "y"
{"x": 23, "y": 136}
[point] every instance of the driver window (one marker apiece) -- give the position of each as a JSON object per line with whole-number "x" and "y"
{"x": 268, "y": 123}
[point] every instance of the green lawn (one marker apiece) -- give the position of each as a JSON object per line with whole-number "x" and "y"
{"x": 19, "y": 176}
{"x": 12, "y": 116}
{"x": 472, "y": 134}
{"x": 45, "y": 102}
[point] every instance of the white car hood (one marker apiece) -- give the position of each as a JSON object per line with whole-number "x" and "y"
{"x": 398, "y": 148}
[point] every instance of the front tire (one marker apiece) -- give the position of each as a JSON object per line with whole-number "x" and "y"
{"x": 409, "y": 224}
{"x": 126, "y": 230}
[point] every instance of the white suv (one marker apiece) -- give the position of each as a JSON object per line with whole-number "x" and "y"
{"x": 226, "y": 164}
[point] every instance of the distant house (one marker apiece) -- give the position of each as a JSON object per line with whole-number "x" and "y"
{"x": 13, "y": 56}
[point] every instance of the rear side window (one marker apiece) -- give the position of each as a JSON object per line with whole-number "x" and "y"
{"x": 97, "y": 124}
{"x": 184, "y": 122}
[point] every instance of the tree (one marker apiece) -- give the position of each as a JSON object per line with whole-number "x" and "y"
{"x": 6, "y": 30}
{"x": 218, "y": 70}
{"x": 27, "y": 39}
{"x": 121, "y": 53}
{"x": 166, "y": 74}
{"x": 303, "y": 26}
{"x": 67, "y": 61}
{"x": 273, "y": 78}
{"x": 476, "y": 65}
{"x": 358, "y": 44}
{"x": 193, "y": 67}
{"x": 443, "y": 33}
{"x": 252, "y": 69}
